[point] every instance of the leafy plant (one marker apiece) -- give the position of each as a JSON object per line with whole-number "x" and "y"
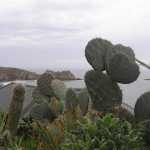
{"x": 107, "y": 133}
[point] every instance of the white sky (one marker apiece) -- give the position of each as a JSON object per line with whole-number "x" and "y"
{"x": 54, "y": 33}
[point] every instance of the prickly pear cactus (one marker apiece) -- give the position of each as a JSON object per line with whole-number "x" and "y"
{"x": 59, "y": 89}
{"x": 38, "y": 97}
{"x": 122, "y": 70}
{"x": 127, "y": 51}
{"x": 83, "y": 98}
{"x": 44, "y": 84}
{"x": 95, "y": 52}
{"x": 15, "y": 109}
{"x": 105, "y": 94}
{"x": 56, "y": 106}
{"x": 71, "y": 100}
{"x": 121, "y": 65}
{"x": 120, "y": 49}
{"x": 42, "y": 112}
{"x": 145, "y": 126}
{"x": 142, "y": 107}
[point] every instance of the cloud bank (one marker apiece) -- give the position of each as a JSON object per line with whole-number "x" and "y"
{"x": 54, "y": 33}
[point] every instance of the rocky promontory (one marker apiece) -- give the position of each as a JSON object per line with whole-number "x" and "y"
{"x": 10, "y": 74}
{"x": 62, "y": 75}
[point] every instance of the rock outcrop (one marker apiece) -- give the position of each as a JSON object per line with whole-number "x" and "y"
{"x": 9, "y": 74}
{"x": 62, "y": 75}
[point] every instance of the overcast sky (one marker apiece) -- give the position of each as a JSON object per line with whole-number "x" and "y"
{"x": 54, "y": 33}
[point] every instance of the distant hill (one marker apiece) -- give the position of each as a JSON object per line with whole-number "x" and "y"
{"x": 10, "y": 74}
{"x": 63, "y": 75}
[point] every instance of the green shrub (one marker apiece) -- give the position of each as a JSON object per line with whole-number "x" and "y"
{"x": 107, "y": 133}
{"x": 144, "y": 127}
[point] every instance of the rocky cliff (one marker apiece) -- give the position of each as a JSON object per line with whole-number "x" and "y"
{"x": 63, "y": 75}
{"x": 10, "y": 74}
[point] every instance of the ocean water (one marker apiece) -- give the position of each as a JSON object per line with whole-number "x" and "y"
{"x": 131, "y": 92}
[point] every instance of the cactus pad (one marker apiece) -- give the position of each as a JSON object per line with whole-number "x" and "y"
{"x": 142, "y": 107}
{"x": 95, "y": 53}
{"x": 122, "y": 70}
{"x": 105, "y": 94}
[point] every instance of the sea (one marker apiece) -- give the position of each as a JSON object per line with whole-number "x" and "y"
{"x": 131, "y": 92}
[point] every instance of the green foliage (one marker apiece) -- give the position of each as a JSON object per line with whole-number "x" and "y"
{"x": 144, "y": 127}
{"x": 26, "y": 143}
{"x": 45, "y": 137}
{"x": 107, "y": 133}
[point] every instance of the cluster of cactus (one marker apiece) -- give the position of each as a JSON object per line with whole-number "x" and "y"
{"x": 102, "y": 55}
{"x": 48, "y": 97}
{"x": 15, "y": 110}
{"x": 119, "y": 64}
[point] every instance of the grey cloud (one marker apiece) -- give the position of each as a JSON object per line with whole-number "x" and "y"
{"x": 48, "y": 33}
